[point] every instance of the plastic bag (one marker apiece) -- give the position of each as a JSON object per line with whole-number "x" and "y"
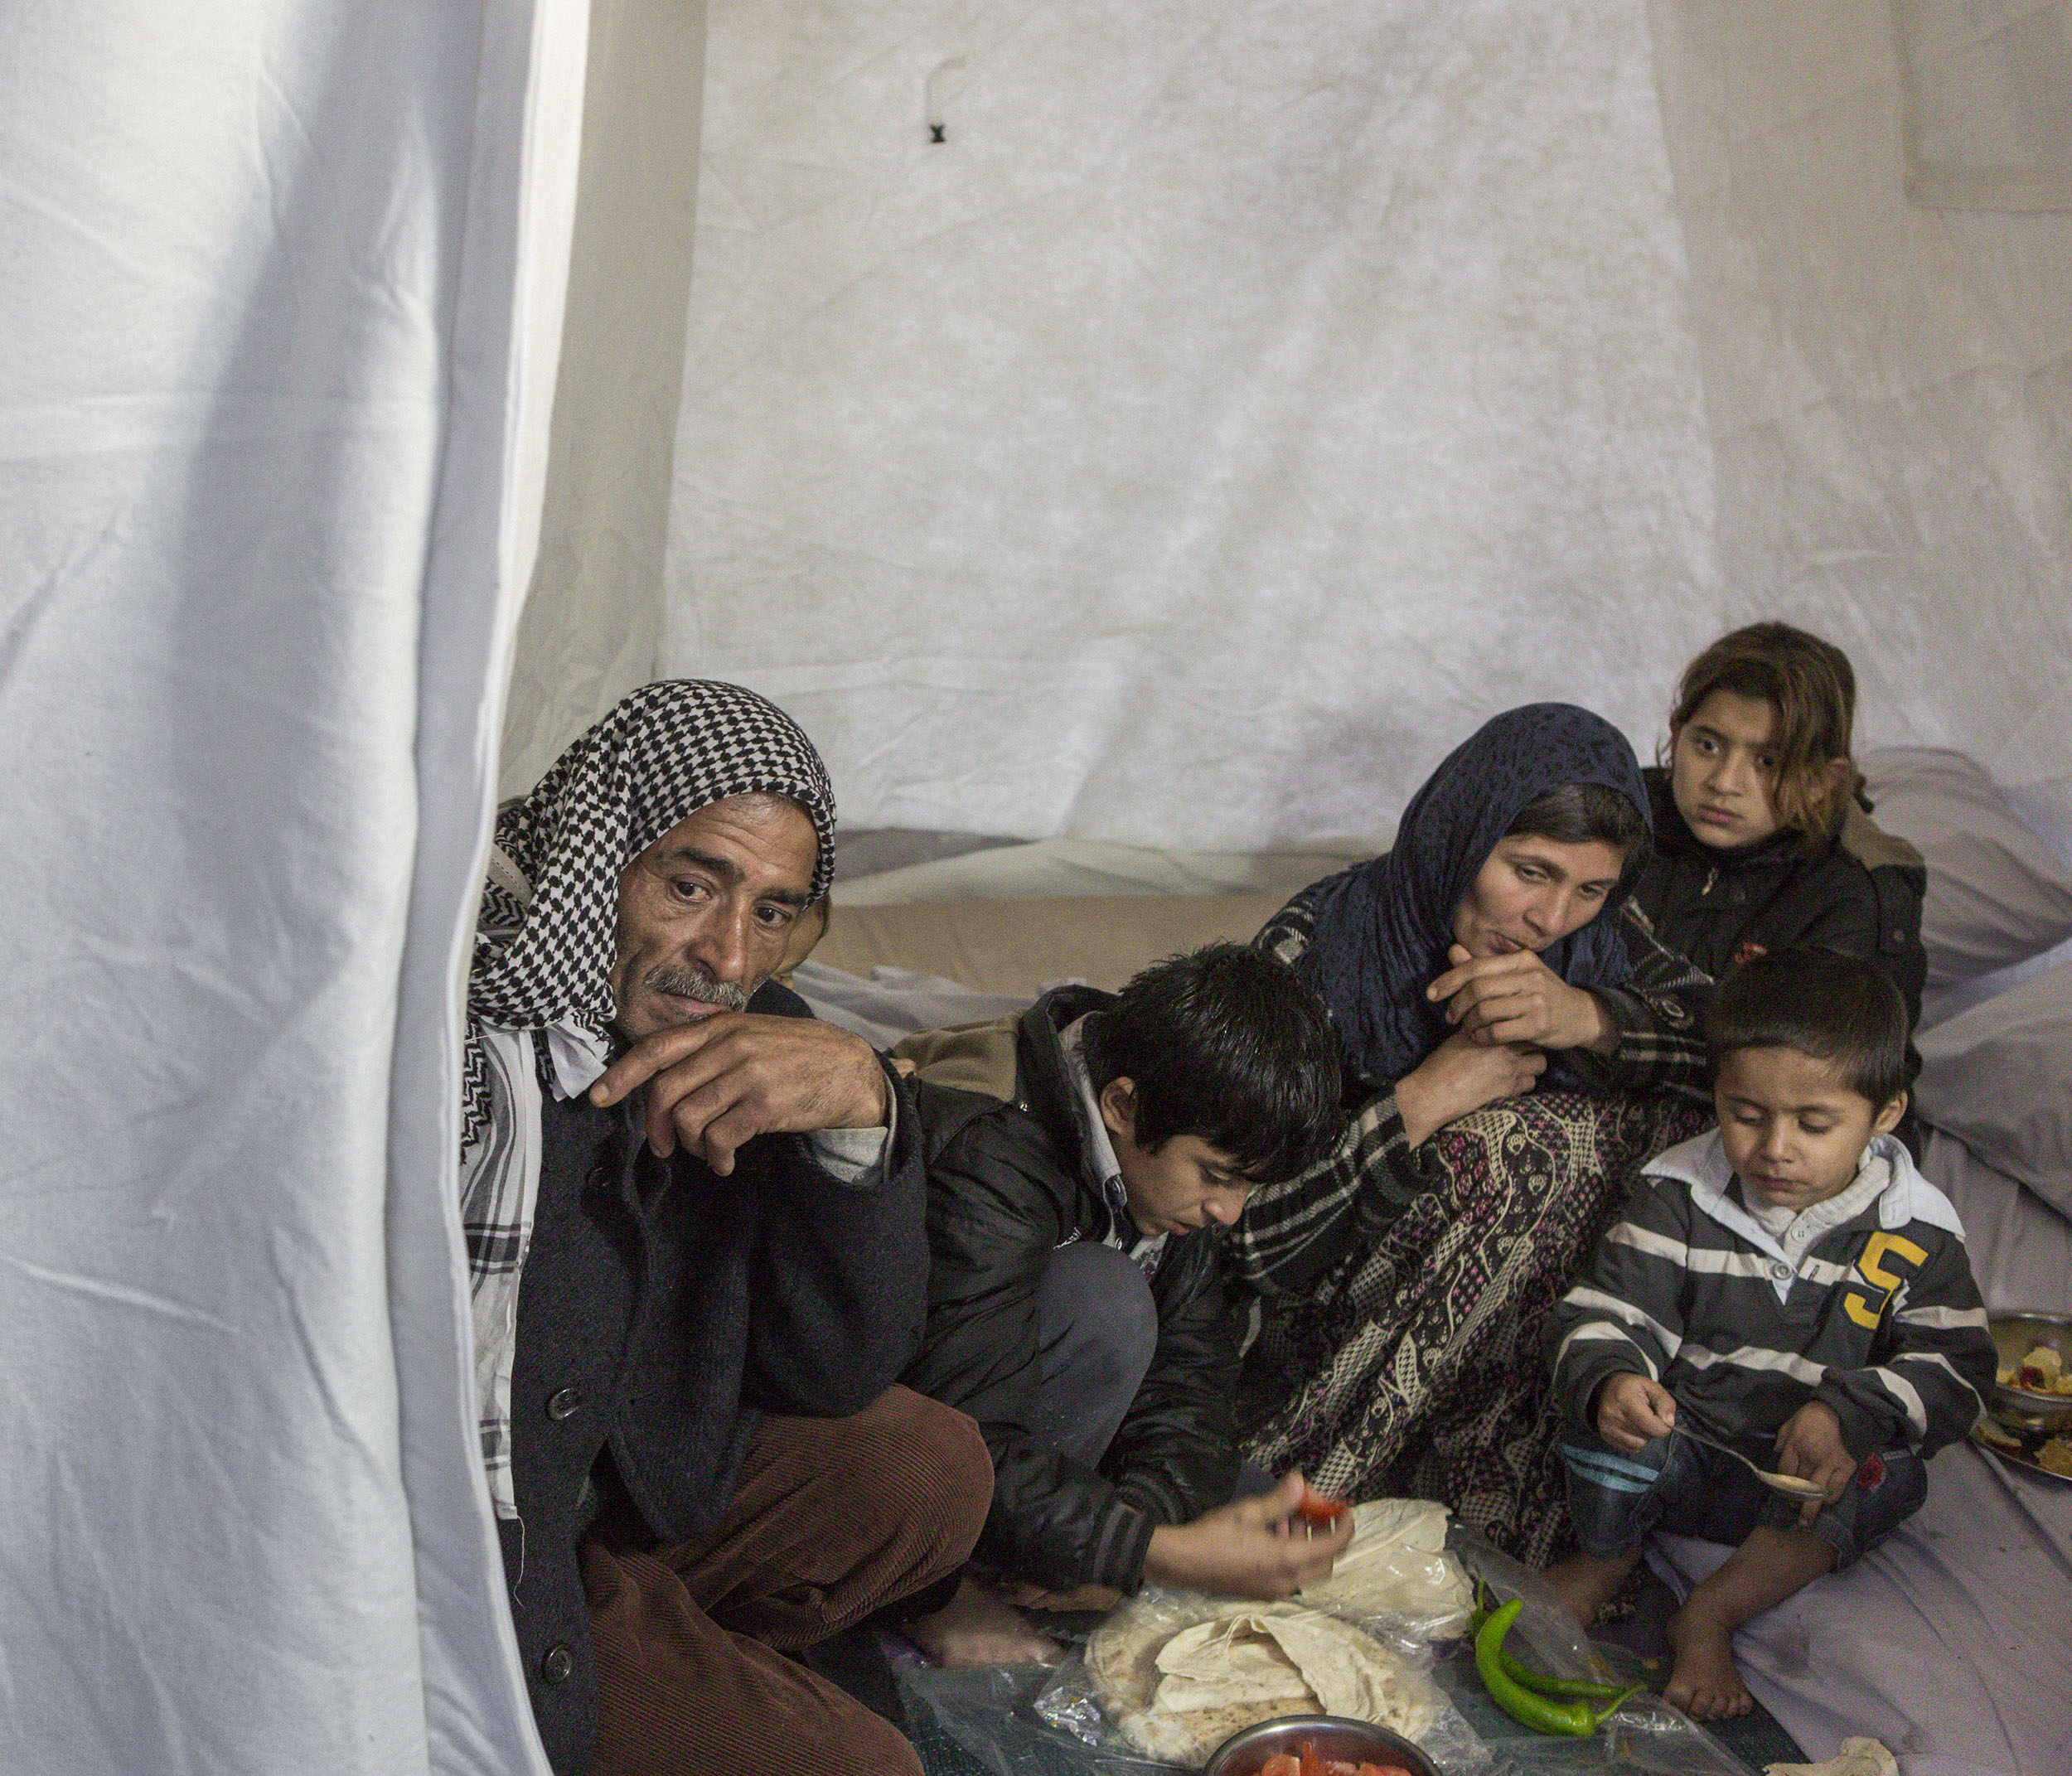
{"x": 988, "y": 1716}
{"x": 1073, "y": 1703}
{"x": 1398, "y": 1575}
{"x": 1647, "y": 1734}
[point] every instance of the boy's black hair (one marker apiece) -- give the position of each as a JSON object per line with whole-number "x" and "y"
{"x": 1837, "y": 1009}
{"x": 1580, "y": 813}
{"x": 1225, "y": 1044}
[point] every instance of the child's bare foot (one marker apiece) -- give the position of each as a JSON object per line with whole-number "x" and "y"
{"x": 1705, "y": 1684}
{"x": 1585, "y": 1584}
{"x": 977, "y": 1628}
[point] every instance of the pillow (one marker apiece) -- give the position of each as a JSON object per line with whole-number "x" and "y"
{"x": 1999, "y": 1076}
{"x": 2020, "y": 1248}
{"x": 1997, "y": 895}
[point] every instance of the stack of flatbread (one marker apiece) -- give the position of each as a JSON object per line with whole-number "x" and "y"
{"x": 1177, "y": 1690}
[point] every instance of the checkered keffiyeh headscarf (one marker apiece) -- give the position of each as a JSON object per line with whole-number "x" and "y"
{"x": 664, "y": 753}
{"x": 540, "y": 991}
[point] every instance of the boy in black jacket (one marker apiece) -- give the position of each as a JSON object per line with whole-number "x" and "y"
{"x": 1081, "y": 1162}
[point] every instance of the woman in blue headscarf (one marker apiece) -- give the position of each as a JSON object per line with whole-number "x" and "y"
{"x": 1492, "y": 953}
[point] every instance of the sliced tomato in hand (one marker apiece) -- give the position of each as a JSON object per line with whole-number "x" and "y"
{"x": 1319, "y": 1507}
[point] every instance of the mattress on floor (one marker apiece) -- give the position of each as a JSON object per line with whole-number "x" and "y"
{"x": 1017, "y": 946}
{"x": 1049, "y": 868}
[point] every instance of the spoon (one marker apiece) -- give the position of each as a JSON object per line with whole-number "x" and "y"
{"x": 1781, "y": 1483}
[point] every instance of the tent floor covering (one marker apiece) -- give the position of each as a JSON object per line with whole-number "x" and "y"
{"x": 856, "y": 1661}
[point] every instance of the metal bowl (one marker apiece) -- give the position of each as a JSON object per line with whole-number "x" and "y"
{"x": 2014, "y": 1336}
{"x": 1245, "y": 1754}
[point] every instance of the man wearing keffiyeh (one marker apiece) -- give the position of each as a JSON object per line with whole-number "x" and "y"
{"x": 696, "y": 1237}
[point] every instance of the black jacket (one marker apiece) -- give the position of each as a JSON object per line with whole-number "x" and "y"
{"x": 1008, "y": 1182}
{"x": 1857, "y": 893}
{"x": 663, "y": 1309}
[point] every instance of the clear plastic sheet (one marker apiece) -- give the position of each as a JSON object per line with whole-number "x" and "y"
{"x": 1069, "y": 1703}
{"x": 988, "y": 1716}
{"x": 1030, "y": 1722}
{"x": 1645, "y": 1735}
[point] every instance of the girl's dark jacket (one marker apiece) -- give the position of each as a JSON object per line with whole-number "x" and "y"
{"x": 1858, "y": 892}
{"x": 1008, "y": 1183}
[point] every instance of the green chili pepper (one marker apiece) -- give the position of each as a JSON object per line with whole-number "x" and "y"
{"x": 1573, "y": 1719}
{"x": 1582, "y": 1688}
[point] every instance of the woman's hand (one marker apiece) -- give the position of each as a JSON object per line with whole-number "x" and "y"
{"x": 1518, "y": 999}
{"x": 1460, "y": 1075}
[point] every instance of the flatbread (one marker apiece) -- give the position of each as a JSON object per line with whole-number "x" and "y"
{"x": 1122, "y": 1655}
{"x": 1190, "y": 1739}
{"x": 1177, "y": 1684}
{"x": 1396, "y": 1564}
{"x": 1122, "y": 1659}
{"x": 1235, "y": 1660}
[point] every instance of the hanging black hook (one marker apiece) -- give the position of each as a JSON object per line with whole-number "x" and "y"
{"x": 939, "y": 130}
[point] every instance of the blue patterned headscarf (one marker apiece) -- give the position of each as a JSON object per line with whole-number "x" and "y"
{"x": 1383, "y": 926}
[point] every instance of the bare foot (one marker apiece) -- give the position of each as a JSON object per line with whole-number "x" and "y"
{"x": 1705, "y": 1684}
{"x": 1085, "y": 1597}
{"x": 1585, "y": 1584}
{"x": 977, "y": 1628}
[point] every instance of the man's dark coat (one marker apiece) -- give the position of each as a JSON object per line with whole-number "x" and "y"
{"x": 664, "y": 1308}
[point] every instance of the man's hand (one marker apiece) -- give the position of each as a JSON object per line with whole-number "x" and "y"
{"x": 1257, "y": 1547}
{"x": 1518, "y": 999}
{"x": 715, "y": 1084}
{"x": 1460, "y": 1076}
{"x": 1632, "y": 1409}
{"x": 1809, "y": 1446}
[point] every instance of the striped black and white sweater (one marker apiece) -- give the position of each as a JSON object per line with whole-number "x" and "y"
{"x": 1864, "y": 1303}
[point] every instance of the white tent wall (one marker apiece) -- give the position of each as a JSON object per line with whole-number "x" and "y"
{"x": 282, "y": 303}
{"x": 1242, "y": 402}
{"x": 1225, "y": 396}
{"x": 593, "y": 621}
{"x": 1890, "y": 385}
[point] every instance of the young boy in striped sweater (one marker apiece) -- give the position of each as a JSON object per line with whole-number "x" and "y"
{"x": 1788, "y": 1284}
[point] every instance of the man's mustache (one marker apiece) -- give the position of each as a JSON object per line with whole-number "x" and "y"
{"x": 694, "y": 983}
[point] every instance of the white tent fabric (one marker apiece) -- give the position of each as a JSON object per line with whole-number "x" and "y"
{"x": 1890, "y": 387}
{"x": 281, "y": 301}
{"x": 1184, "y": 418}
{"x": 1988, "y": 89}
{"x": 1243, "y": 401}
{"x": 593, "y": 617}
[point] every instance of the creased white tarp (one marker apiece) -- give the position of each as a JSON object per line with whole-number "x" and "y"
{"x": 1244, "y": 400}
{"x": 1986, "y": 119}
{"x": 279, "y": 289}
